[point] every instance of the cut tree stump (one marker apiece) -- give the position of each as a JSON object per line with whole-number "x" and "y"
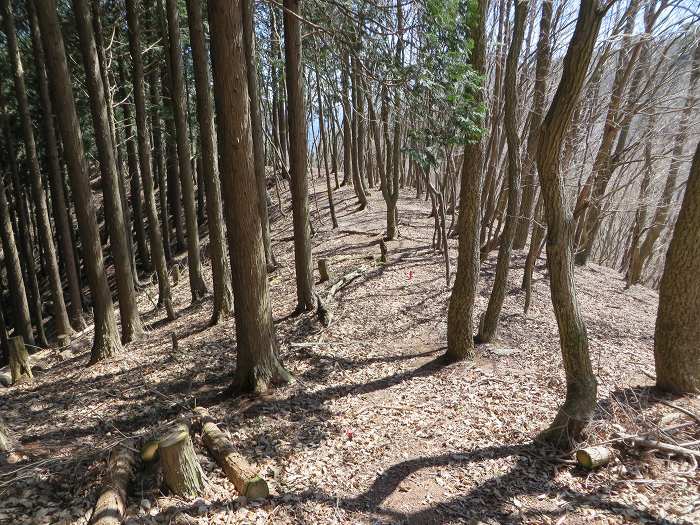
{"x": 324, "y": 269}
{"x": 181, "y": 469}
{"x": 384, "y": 257}
{"x": 19, "y": 360}
{"x": 111, "y": 505}
{"x": 242, "y": 474}
{"x": 593, "y": 457}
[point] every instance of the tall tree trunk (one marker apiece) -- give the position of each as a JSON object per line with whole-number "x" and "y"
{"x": 60, "y": 315}
{"x": 144, "y": 147}
{"x": 299, "y": 184}
{"x": 257, "y": 364}
{"x": 322, "y": 132}
{"x": 106, "y": 341}
{"x": 347, "y": 131}
{"x": 544, "y": 56}
{"x": 132, "y": 327}
{"x": 676, "y": 350}
{"x": 221, "y": 272}
{"x": 197, "y": 287}
{"x": 581, "y": 387}
{"x": 489, "y": 323}
{"x": 61, "y": 207}
{"x": 460, "y": 329}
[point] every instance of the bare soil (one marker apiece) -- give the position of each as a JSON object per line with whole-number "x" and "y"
{"x": 376, "y": 428}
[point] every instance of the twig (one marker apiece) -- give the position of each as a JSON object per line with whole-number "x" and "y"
{"x": 681, "y": 409}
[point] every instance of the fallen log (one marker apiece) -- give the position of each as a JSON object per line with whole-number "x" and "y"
{"x": 242, "y": 474}
{"x": 181, "y": 469}
{"x": 7, "y": 444}
{"x": 324, "y": 307}
{"x": 19, "y": 360}
{"x": 593, "y": 457}
{"x": 660, "y": 445}
{"x": 111, "y": 505}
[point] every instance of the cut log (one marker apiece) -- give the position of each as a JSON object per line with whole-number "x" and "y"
{"x": 324, "y": 270}
{"x": 19, "y": 360}
{"x": 244, "y": 476}
{"x": 181, "y": 469}
{"x": 593, "y": 457}
{"x": 7, "y": 444}
{"x": 111, "y": 505}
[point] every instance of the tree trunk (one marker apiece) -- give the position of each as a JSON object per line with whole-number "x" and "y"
{"x": 299, "y": 184}
{"x": 221, "y": 272}
{"x": 257, "y": 365}
{"x": 132, "y": 327}
{"x": 544, "y": 56}
{"x": 60, "y": 315}
{"x": 322, "y": 132}
{"x": 581, "y": 388}
{"x": 676, "y": 351}
{"x": 460, "y": 329}
{"x": 144, "y": 147}
{"x": 106, "y": 341}
{"x": 489, "y": 323}
{"x": 197, "y": 287}
{"x": 61, "y": 206}
{"x": 257, "y": 128}
{"x": 20, "y": 367}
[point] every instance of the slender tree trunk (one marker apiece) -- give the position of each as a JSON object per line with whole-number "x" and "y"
{"x": 221, "y": 272}
{"x": 489, "y": 324}
{"x": 60, "y": 315}
{"x": 61, "y": 206}
{"x": 132, "y": 327}
{"x": 577, "y": 410}
{"x": 106, "y": 341}
{"x": 197, "y": 287}
{"x": 257, "y": 364}
{"x": 144, "y": 147}
{"x": 460, "y": 329}
{"x": 676, "y": 350}
{"x": 299, "y": 184}
{"x": 322, "y": 131}
{"x": 257, "y": 128}
{"x": 544, "y": 56}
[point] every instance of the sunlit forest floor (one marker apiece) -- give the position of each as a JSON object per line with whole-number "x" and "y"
{"x": 376, "y": 429}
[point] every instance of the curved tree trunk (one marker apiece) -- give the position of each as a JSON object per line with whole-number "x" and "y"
{"x": 676, "y": 350}
{"x": 197, "y": 287}
{"x": 221, "y": 273}
{"x": 132, "y": 327}
{"x": 60, "y": 315}
{"x": 257, "y": 365}
{"x": 106, "y": 341}
{"x": 581, "y": 387}
{"x": 489, "y": 324}
{"x": 460, "y": 329}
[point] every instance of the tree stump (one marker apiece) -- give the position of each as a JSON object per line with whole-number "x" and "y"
{"x": 324, "y": 269}
{"x": 384, "y": 257}
{"x": 181, "y": 470}
{"x": 19, "y": 360}
{"x": 243, "y": 475}
{"x": 111, "y": 505}
{"x": 593, "y": 457}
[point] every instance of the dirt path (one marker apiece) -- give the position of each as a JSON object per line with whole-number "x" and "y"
{"x": 376, "y": 429}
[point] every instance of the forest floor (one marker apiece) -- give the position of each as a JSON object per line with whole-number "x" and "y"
{"x": 376, "y": 429}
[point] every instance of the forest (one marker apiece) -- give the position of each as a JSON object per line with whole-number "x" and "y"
{"x": 349, "y": 261}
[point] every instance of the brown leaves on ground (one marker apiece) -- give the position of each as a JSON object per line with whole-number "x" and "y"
{"x": 376, "y": 429}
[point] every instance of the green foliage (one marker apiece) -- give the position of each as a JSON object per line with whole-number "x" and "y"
{"x": 442, "y": 83}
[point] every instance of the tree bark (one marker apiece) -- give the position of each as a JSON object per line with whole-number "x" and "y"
{"x": 221, "y": 272}
{"x": 299, "y": 184}
{"x": 182, "y": 472}
{"x": 197, "y": 287}
{"x": 106, "y": 341}
{"x": 60, "y": 315}
{"x": 132, "y": 327}
{"x": 581, "y": 387}
{"x": 257, "y": 365}
{"x": 144, "y": 147}
{"x": 110, "y": 508}
{"x": 676, "y": 351}
{"x": 460, "y": 328}
{"x": 489, "y": 323}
